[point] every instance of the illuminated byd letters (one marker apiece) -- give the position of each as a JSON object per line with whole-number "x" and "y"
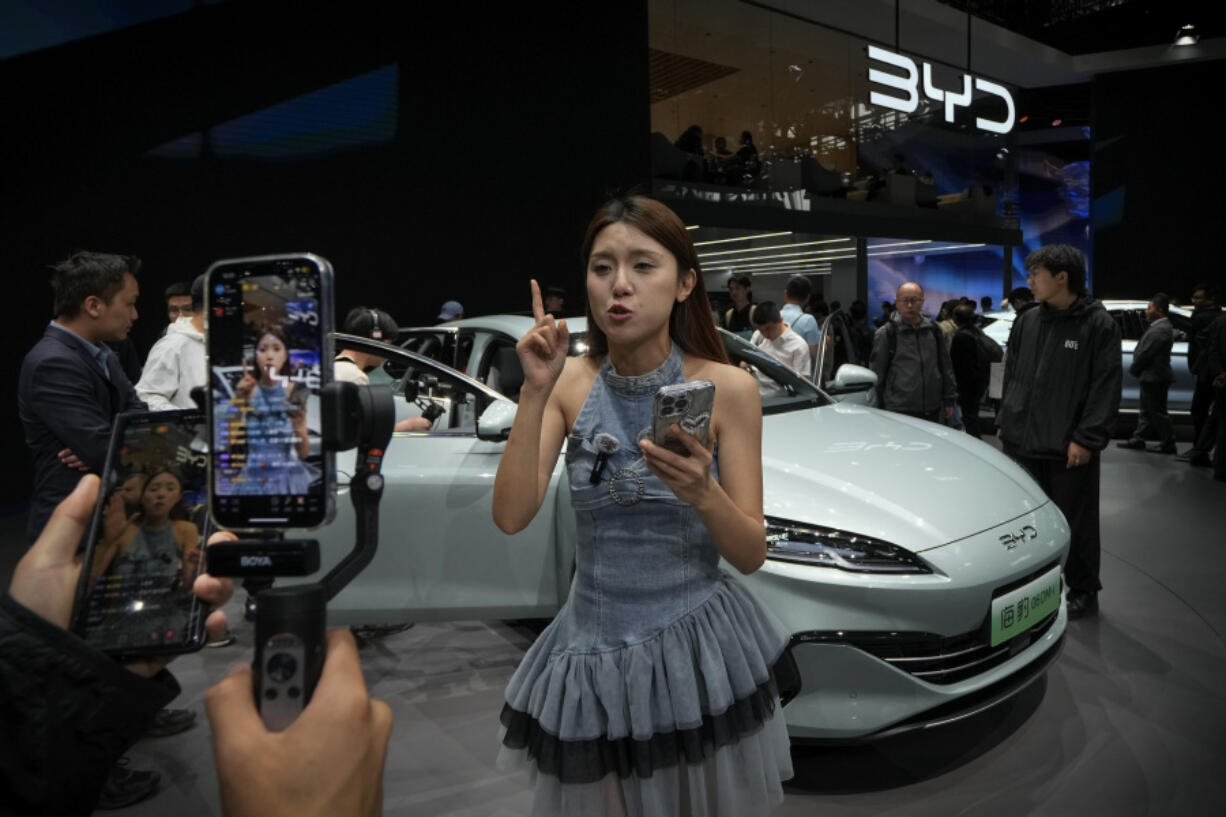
{"x": 910, "y": 86}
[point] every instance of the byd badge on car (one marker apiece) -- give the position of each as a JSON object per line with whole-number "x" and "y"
{"x": 1015, "y": 538}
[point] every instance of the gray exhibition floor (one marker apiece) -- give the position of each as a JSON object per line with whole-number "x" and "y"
{"x": 1131, "y": 720}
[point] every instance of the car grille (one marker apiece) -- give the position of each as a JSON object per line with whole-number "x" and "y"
{"x": 939, "y": 659}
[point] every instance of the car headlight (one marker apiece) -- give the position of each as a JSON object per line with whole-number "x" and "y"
{"x": 788, "y": 541}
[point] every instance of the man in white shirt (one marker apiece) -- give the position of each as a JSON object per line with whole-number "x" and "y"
{"x": 777, "y": 339}
{"x": 175, "y": 364}
{"x": 796, "y": 295}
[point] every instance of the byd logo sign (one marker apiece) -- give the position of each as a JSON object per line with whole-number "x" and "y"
{"x": 910, "y": 85}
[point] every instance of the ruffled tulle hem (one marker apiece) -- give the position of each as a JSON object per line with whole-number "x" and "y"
{"x": 698, "y": 685}
{"x": 741, "y": 779}
{"x": 586, "y": 761}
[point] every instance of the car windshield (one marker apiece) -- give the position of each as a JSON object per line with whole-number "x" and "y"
{"x": 781, "y": 388}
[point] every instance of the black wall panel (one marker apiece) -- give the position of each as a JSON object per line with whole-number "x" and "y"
{"x": 1158, "y": 180}
{"x": 514, "y": 123}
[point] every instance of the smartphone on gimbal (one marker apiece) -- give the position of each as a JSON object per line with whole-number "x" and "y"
{"x": 269, "y": 350}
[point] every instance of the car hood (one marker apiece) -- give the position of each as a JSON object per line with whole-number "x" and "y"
{"x": 863, "y": 470}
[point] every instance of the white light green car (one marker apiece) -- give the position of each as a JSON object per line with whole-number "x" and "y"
{"x": 917, "y": 570}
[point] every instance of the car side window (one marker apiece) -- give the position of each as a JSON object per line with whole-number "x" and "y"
{"x": 430, "y": 346}
{"x": 437, "y": 391}
{"x": 463, "y": 351}
{"x": 500, "y": 369}
{"x": 1131, "y": 323}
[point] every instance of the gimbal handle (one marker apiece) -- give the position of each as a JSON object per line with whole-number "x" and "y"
{"x": 291, "y": 621}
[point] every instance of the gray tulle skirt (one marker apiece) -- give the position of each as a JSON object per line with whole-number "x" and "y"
{"x": 686, "y": 722}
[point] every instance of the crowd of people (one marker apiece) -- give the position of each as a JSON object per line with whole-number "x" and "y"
{"x": 1060, "y": 380}
{"x": 713, "y": 161}
{"x": 650, "y": 325}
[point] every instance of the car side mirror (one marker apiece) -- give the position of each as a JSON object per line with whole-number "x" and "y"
{"x": 851, "y": 378}
{"x": 494, "y": 424}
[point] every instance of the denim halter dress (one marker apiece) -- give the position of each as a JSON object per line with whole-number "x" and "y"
{"x": 652, "y": 689}
{"x": 273, "y": 466}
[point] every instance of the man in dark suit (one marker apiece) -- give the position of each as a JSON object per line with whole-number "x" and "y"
{"x": 1151, "y": 366}
{"x": 70, "y": 389}
{"x": 71, "y": 384}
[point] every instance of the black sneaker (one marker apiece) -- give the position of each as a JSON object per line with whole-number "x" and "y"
{"x": 125, "y": 787}
{"x": 1158, "y": 448}
{"x": 1134, "y": 443}
{"x": 1082, "y": 604}
{"x": 1194, "y": 457}
{"x": 363, "y": 634}
{"x": 170, "y": 722}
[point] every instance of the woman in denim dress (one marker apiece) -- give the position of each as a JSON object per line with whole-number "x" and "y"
{"x": 652, "y": 692}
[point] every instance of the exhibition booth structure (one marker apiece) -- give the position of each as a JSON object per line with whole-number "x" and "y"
{"x": 772, "y": 132}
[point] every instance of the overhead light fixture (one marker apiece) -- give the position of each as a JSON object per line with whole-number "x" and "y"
{"x": 765, "y": 262}
{"x": 797, "y": 271}
{"x": 772, "y": 247}
{"x": 741, "y": 238}
{"x": 693, "y": 227}
{"x": 1187, "y": 35}
{"x": 934, "y": 249}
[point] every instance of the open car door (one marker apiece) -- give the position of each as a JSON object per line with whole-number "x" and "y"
{"x": 841, "y": 369}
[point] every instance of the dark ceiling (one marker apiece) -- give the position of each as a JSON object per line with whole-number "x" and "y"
{"x": 1091, "y": 26}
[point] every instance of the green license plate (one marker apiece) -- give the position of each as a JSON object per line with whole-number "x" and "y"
{"x": 1018, "y": 610}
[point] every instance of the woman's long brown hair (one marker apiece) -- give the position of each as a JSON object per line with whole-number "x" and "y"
{"x": 690, "y": 325}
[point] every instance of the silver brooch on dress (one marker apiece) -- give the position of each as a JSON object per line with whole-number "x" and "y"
{"x": 628, "y": 497}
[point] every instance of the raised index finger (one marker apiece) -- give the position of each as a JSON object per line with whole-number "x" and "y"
{"x": 538, "y": 308}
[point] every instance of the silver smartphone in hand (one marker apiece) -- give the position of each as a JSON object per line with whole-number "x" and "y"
{"x": 687, "y": 404}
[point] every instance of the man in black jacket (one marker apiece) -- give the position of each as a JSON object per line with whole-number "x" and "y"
{"x": 1061, "y": 392}
{"x": 972, "y": 364}
{"x": 1151, "y": 366}
{"x": 1205, "y": 310}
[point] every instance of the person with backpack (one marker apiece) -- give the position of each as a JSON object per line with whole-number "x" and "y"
{"x": 972, "y": 354}
{"x": 914, "y": 373}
